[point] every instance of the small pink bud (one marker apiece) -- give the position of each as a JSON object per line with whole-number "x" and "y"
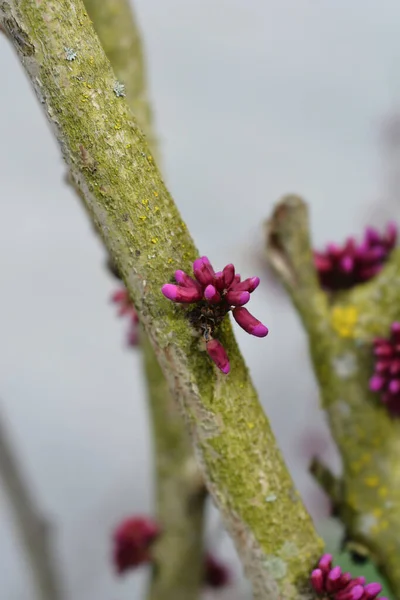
{"x": 203, "y": 271}
{"x": 371, "y": 590}
{"x": 347, "y": 264}
{"x": 325, "y": 562}
{"x": 216, "y": 352}
{"x": 376, "y": 383}
{"x": 212, "y": 295}
{"x": 181, "y": 294}
{"x": 394, "y": 386}
{"x": 333, "y": 579}
{"x": 219, "y": 281}
{"x": 237, "y": 298}
{"x": 248, "y": 285}
{"x": 120, "y": 296}
{"x": 249, "y": 323}
{"x": 317, "y": 581}
{"x": 185, "y": 280}
{"x": 228, "y": 275}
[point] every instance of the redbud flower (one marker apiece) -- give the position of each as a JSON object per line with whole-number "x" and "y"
{"x": 330, "y": 582}
{"x": 386, "y": 378}
{"x": 216, "y": 574}
{"x": 215, "y": 294}
{"x": 132, "y": 542}
{"x": 126, "y": 309}
{"x": 342, "y": 267}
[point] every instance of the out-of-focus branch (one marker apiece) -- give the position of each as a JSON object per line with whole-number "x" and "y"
{"x": 180, "y": 492}
{"x": 144, "y": 233}
{"x": 340, "y": 332}
{"x": 34, "y": 531}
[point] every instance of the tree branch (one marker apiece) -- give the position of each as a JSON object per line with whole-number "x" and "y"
{"x": 340, "y": 332}
{"x": 34, "y": 531}
{"x": 180, "y": 498}
{"x": 147, "y": 239}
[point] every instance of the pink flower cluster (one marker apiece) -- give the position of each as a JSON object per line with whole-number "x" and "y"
{"x": 215, "y": 295}
{"x": 342, "y": 267}
{"x": 386, "y": 378}
{"x": 330, "y": 582}
{"x": 132, "y": 546}
{"x": 133, "y": 539}
{"x": 126, "y": 309}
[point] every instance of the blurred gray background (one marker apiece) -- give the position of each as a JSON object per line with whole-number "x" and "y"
{"x": 253, "y": 99}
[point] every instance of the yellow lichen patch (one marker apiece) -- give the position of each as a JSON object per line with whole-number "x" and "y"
{"x": 250, "y": 425}
{"x": 344, "y": 319}
{"x": 142, "y": 217}
{"x": 156, "y": 194}
{"x": 372, "y": 481}
{"x": 154, "y": 240}
{"x": 145, "y": 202}
{"x": 170, "y": 260}
{"x": 117, "y": 125}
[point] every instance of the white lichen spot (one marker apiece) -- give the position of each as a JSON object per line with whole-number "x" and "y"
{"x": 271, "y": 498}
{"x": 289, "y": 549}
{"x": 70, "y": 54}
{"x": 365, "y": 523}
{"x": 275, "y": 566}
{"x": 119, "y": 89}
{"x": 345, "y": 366}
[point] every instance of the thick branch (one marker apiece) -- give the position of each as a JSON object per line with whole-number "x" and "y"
{"x": 180, "y": 501}
{"x": 32, "y": 528}
{"x": 340, "y": 332}
{"x": 146, "y": 237}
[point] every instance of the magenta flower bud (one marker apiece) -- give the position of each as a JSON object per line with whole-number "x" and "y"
{"x": 186, "y": 281}
{"x": 236, "y": 279}
{"x": 212, "y": 295}
{"x": 371, "y": 590}
{"x": 248, "y": 285}
{"x": 347, "y": 264}
{"x": 252, "y": 326}
{"x": 325, "y": 562}
{"x": 394, "y": 386}
{"x": 237, "y": 298}
{"x": 216, "y": 352}
{"x": 219, "y": 281}
{"x": 321, "y": 262}
{"x": 203, "y": 271}
{"x": 228, "y": 275}
{"x": 376, "y": 383}
{"x": 333, "y": 580}
{"x": 181, "y": 294}
{"x": 317, "y": 581}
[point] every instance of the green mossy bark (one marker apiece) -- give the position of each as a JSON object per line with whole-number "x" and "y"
{"x": 341, "y": 329}
{"x": 178, "y": 555}
{"x": 147, "y": 239}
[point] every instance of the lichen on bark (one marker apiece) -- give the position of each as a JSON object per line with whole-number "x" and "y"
{"x": 147, "y": 239}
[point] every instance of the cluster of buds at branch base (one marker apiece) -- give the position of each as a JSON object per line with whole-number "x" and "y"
{"x": 215, "y": 294}
{"x": 342, "y": 267}
{"x": 126, "y": 309}
{"x": 330, "y": 582}
{"x": 133, "y": 540}
{"x": 386, "y": 378}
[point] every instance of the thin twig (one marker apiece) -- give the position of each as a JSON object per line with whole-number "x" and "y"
{"x": 34, "y": 531}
